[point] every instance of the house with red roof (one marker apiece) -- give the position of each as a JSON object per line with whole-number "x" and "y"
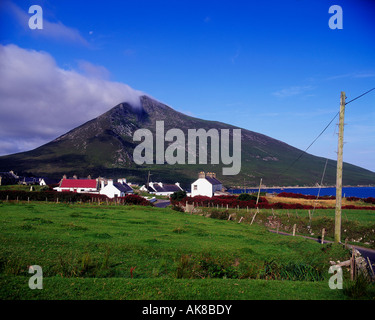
{"x": 78, "y": 185}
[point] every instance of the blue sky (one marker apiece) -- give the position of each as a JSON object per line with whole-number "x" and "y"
{"x": 273, "y": 67}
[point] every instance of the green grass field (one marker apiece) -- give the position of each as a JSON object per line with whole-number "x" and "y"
{"x": 130, "y": 252}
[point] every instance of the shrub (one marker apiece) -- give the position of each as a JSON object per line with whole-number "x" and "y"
{"x": 178, "y": 195}
{"x": 222, "y": 215}
{"x": 247, "y": 197}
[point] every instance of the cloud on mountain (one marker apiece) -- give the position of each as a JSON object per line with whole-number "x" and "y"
{"x": 40, "y": 101}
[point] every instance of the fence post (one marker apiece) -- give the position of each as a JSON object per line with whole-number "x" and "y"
{"x": 323, "y": 234}
{"x": 294, "y": 229}
{"x": 252, "y": 220}
{"x": 352, "y": 266}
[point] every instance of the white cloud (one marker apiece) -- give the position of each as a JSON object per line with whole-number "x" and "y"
{"x": 40, "y": 101}
{"x": 292, "y": 91}
{"x": 55, "y": 30}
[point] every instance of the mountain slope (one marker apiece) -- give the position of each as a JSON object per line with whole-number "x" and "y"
{"x": 104, "y": 146}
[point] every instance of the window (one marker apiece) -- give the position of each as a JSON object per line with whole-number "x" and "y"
{"x": 195, "y": 187}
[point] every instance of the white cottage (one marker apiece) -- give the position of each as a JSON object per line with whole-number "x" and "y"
{"x": 115, "y": 189}
{"x": 206, "y": 185}
{"x": 161, "y": 189}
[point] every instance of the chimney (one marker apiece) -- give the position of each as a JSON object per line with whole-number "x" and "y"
{"x": 102, "y": 184}
{"x": 209, "y": 174}
{"x": 201, "y": 175}
{"x": 75, "y": 177}
{"x": 213, "y": 175}
{"x": 110, "y": 182}
{"x": 64, "y": 176}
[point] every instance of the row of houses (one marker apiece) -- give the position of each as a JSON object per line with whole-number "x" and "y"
{"x": 206, "y": 185}
{"x": 10, "y": 178}
{"x": 102, "y": 186}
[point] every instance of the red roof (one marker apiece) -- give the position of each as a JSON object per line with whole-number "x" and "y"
{"x": 79, "y": 183}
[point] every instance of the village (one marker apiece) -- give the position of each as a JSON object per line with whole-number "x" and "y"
{"x": 206, "y": 185}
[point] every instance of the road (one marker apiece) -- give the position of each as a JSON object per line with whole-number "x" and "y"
{"x": 162, "y": 203}
{"x": 365, "y": 252}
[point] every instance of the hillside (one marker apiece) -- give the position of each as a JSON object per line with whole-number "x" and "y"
{"x": 104, "y": 146}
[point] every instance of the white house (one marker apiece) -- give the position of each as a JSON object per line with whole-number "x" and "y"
{"x": 115, "y": 189}
{"x": 206, "y": 185}
{"x": 47, "y": 181}
{"x": 161, "y": 189}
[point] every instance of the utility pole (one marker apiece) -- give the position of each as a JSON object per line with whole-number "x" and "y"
{"x": 148, "y": 179}
{"x": 260, "y": 185}
{"x": 339, "y": 170}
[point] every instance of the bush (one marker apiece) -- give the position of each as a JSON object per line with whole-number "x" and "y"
{"x": 219, "y": 215}
{"x": 178, "y": 195}
{"x": 247, "y": 197}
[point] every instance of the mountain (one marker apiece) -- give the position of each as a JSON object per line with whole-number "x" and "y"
{"x": 104, "y": 147}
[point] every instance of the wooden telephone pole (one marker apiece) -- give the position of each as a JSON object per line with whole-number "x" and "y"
{"x": 339, "y": 170}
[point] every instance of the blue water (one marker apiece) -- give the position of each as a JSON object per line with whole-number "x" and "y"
{"x": 359, "y": 192}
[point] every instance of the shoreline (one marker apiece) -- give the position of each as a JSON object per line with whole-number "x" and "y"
{"x": 299, "y": 187}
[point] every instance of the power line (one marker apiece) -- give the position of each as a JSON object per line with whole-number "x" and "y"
{"x": 360, "y": 96}
{"x": 300, "y": 156}
{"x": 303, "y": 152}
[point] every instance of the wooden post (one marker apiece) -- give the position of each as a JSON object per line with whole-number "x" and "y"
{"x": 294, "y": 229}
{"x": 370, "y": 265}
{"x": 260, "y": 184}
{"x": 352, "y": 266}
{"x": 252, "y": 220}
{"x": 240, "y": 220}
{"x": 339, "y": 170}
{"x": 278, "y": 225}
{"x": 323, "y": 234}
{"x": 230, "y": 216}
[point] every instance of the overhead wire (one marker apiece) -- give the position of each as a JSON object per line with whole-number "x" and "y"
{"x": 320, "y": 134}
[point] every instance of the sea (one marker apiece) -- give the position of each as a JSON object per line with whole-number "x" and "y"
{"x": 359, "y": 192}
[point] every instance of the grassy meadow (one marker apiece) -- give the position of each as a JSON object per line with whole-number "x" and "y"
{"x": 131, "y": 252}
